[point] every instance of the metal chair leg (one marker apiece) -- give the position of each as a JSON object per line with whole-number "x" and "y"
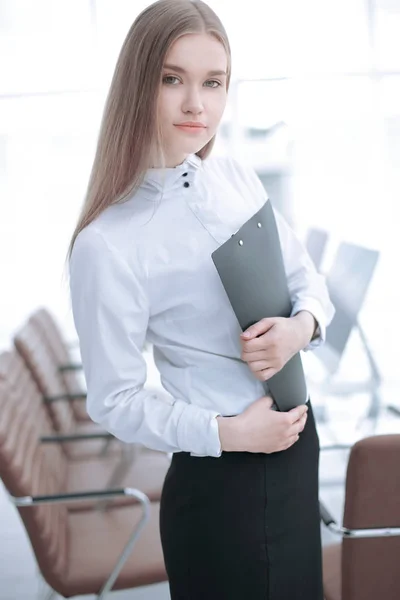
{"x": 126, "y": 551}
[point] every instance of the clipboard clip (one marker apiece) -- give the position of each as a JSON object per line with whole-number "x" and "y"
{"x": 240, "y": 242}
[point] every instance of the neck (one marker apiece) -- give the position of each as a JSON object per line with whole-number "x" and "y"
{"x": 170, "y": 162}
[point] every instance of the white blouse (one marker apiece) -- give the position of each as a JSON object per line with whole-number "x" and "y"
{"x": 143, "y": 270}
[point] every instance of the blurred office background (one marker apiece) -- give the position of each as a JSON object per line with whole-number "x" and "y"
{"x": 314, "y": 106}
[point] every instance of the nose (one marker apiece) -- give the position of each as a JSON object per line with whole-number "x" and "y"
{"x": 192, "y": 102}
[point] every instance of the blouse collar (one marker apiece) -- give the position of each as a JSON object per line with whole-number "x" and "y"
{"x": 166, "y": 178}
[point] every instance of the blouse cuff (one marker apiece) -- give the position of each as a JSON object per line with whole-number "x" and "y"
{"x": 214, "y": 447}
{"x": 198, "y": 431}
{"x": 314, "y": 307}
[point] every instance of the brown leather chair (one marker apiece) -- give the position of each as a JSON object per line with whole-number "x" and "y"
{"x": 365, "y": 565}
{"x": 53, "y": 336}
{"x": 31, "y": 345}
{"x": 22, "y": 403}
{"x": 78, "y": 552}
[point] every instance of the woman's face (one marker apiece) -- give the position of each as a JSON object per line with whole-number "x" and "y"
{"x": 193, "y": 89}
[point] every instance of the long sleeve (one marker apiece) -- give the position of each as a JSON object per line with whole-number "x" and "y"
{"x": 307, "y": 287}
{"x": 308, "y": 290}
{"x": 111, "y": 312}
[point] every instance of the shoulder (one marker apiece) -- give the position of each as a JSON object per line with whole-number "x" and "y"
{"x": 98, "y": 268}
{"x": 239, "y": 173}
{"x": 239, "y": 180}
{"x": 88, "y": 242}
{"x": 91, "y": 253}
{"x": 122, "y": 223}
{"x": 97, "y": 249}
{"x": 117, "y": 234}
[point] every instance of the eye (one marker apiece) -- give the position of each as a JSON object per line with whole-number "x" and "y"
{"x": 168, "y": 77}
{"x": 217, "y": 83}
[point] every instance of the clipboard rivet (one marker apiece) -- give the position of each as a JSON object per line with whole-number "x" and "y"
{"x": 259, "y": 225}
{"x": 240, "y": 242}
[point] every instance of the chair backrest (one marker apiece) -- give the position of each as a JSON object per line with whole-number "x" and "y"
{"x": 315, "y": 243}
{"x": 52, "y": 335}
{"x": 26, "y": 471}
{"x": 348, "y": 281}
{"x": 31, "y": 346}
{"x": 18, "y": 379}
{"x": 370, "y": 567}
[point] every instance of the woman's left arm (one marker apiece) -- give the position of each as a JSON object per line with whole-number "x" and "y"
{"x": 307, "y": 287}
{"x": 269, "y": 344}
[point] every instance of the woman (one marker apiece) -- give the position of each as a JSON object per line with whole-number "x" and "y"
{"x": 239, "y": 510}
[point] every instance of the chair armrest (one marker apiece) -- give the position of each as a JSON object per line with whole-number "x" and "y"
{"x": 28, "y": 501}
{"x": 78, "y": 496}
{"x": 333, "y": 526}
{"x": 67, "y": 397}
{"x": 75, "y": 437}
{"x": 70, "y": 367}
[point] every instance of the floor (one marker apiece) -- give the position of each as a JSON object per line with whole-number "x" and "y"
{"x": 344, "y": 423}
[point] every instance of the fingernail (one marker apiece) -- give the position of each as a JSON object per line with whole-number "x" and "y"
{"x": 246, "y": 334}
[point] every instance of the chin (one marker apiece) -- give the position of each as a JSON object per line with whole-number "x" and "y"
{"x": 193, "y": 148}
{"x": 185, "y": 149}
{"x": 189, "y": 143}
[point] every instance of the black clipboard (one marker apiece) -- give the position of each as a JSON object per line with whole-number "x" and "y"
{"x": 250, "y": 266}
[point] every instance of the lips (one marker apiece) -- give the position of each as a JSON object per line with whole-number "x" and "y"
{"x": 191, "y": 124}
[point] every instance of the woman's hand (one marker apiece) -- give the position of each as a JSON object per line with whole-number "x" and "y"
{"x": 269, "y": 344}
{"x": 261, "y": 429}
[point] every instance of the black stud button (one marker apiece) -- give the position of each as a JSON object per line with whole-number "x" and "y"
{"x": 184, "y": 174}
{"x": 186, "y": 184}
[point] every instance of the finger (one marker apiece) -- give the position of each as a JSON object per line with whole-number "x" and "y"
{"x": 266, "y": 342}
{"x": 259, "y": 365}
{"x": 302, "y": 423}
{"x": 268, "y": 373}
{"x": 296, "y": 413}
{"x": 302, "y": 418}
{"x": 258, "y": 329}
{"x": 253, "y": 356}
{"x": 292, "y": 440}
{"x": 298, "y": 427}
{"x": 258, "y": 344}
{"x": 267, "y": 400}
{"x": 292, "y": 416}
{"x": 265, "y": 375}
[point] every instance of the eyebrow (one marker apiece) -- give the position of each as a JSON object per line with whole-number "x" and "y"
{"x": 181, "y": 70}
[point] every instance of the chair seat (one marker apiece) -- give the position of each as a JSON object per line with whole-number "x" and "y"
{"x": 96, "y": 541}
{"x": 146, "y": 473}
{"x": 332, "y": 571}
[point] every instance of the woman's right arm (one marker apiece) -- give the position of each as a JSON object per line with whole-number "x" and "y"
{"x": 111, "y": 312}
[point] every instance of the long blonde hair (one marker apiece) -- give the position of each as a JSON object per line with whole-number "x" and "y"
{"x": 129, "y": 131}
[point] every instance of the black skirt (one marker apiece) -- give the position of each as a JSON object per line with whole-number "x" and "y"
{"x": 244, "y": 526}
